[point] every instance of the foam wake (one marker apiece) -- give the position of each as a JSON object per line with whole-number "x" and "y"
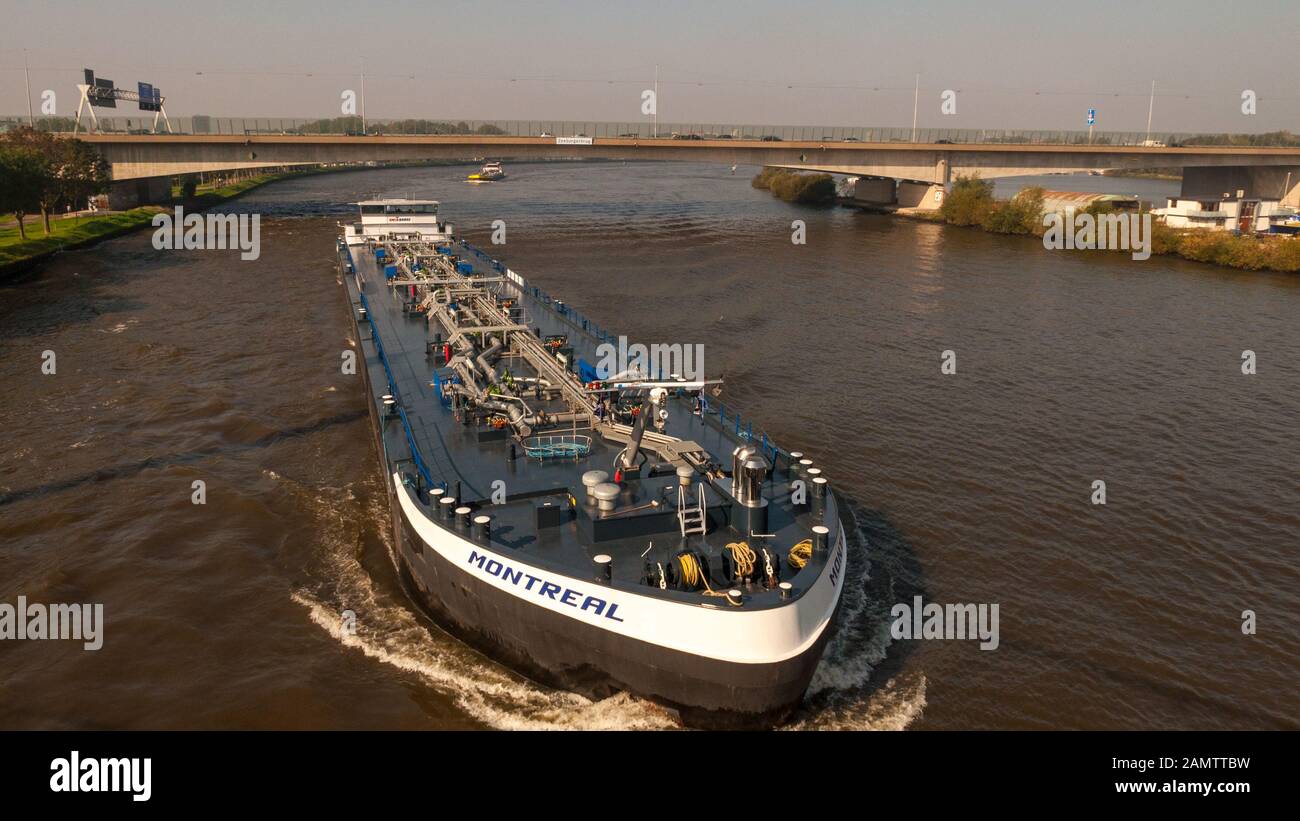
{"x": 842, "y": 694}
{"x": 482, "y": 690}
{"x": 389, "y": 630}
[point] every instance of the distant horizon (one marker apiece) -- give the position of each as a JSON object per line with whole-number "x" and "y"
{"x": 1011, "y": 66}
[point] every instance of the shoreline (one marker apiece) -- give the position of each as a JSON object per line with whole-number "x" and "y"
{"x": 21, "y": 257}
{"x": 29, "y": 255}
{"x": 1234, "y": 252}
{"x": 1274, "y": 253}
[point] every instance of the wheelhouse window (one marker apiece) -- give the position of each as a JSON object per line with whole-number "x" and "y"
{"x": 412, "y": 209}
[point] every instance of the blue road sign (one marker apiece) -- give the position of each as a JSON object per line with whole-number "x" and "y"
{"x": 1092, "y": 116}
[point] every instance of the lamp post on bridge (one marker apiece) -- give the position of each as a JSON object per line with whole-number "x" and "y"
{"x": 916, "y": 100}
{"x": 1151, "y": 107}
{"x": 31, "y": 118}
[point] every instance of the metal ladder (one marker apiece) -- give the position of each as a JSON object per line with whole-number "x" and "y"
{"x": 691, "y": 519}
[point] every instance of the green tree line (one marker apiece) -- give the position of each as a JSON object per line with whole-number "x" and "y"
{"x": 971, "y": 203}
{"x": 41, "y": 173}
{"x": 352, "y": 125}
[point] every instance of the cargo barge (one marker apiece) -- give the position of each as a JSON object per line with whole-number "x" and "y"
{"x": 596, "y": 528}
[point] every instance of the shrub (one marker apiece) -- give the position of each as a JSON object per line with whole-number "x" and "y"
{"x": 808, "y": 189}
{"x": 763, "y": 179}
{"x": 792, "y": 186}
{"x": 1022, "y": 214}
{"x": 969, "y": 202}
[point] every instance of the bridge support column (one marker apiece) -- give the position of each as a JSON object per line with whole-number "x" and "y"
{"x": 1266, "y": 182}
{"x": 877, "y": 192}
{"x": 922, "y": 196}
{"x": 126, "y": 194}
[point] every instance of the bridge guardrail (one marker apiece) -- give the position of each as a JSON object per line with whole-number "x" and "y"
{"x": 251, "y": 126}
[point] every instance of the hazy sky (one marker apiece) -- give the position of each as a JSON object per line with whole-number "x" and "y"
{"x": 1012, "y": 65}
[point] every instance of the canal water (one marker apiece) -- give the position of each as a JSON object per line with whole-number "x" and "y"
{"x": 973, "y": 487}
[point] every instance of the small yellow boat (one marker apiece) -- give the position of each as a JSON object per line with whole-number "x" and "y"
{"x": 490, "y": 172}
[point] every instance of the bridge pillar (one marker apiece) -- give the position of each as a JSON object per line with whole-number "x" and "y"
{"x": 1266, "y": 182}
{"x": 126, "y": 194}
{"x": 923, "y": 196}
{"x": 874, "y": 191}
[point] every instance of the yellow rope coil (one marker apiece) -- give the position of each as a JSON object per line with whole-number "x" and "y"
{"x": 744, "y": 557}
{"x": 692, "y": 572}
{"x": 800, "y": 554}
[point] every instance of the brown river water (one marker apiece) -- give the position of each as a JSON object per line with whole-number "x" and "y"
{"x": 974, "y": 487}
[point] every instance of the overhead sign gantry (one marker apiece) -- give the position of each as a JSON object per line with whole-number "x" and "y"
{"x": 98, "y": 92}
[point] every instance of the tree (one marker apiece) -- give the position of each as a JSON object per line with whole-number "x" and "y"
{"x": 42, "y": 143}
{"x": 23, "y": 175}
{"x": 73, "y": 169}
{"x": 79, "y": 172}
{"x": 189, "y": 185}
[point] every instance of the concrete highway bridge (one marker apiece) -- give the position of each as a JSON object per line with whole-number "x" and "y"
{"x": 903, "y": 173}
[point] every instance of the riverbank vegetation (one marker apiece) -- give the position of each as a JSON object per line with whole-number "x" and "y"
{"x": 794, "y": 186}
{"x": 353, "y": 125}
{"x": 72, "y": 232}
{"x": 42, "y": 174}
{"x": 18, "y": 249}
{"x": 1170, "y": 174}
{"x": 971, "y": 203}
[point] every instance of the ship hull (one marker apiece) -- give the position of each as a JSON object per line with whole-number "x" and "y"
{"x": 570, "y": 654}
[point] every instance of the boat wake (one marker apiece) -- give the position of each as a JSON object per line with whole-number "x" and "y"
{"x": 388, "y": 629}
{"x": 844, "y": 694}
{"x": 392, "y": 635}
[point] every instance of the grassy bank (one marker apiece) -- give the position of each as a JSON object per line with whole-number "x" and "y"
{"x": 73, "y": 232}
{"x": 971, "y": 203}
{"x": 794, "y": 186}
{"x": 17, "y": 254}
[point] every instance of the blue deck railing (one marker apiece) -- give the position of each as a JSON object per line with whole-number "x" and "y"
{"x": 421, "y": 467}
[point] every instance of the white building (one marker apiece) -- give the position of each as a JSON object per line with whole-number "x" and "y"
{"x": 1249, "y": 215}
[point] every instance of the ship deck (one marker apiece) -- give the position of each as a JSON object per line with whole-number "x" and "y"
{"x": 457, "y": 457}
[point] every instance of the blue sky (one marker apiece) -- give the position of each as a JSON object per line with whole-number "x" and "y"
{"x": 1012, "y": 65}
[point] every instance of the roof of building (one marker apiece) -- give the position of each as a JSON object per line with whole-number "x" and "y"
{"x": 1083, "y": 198}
